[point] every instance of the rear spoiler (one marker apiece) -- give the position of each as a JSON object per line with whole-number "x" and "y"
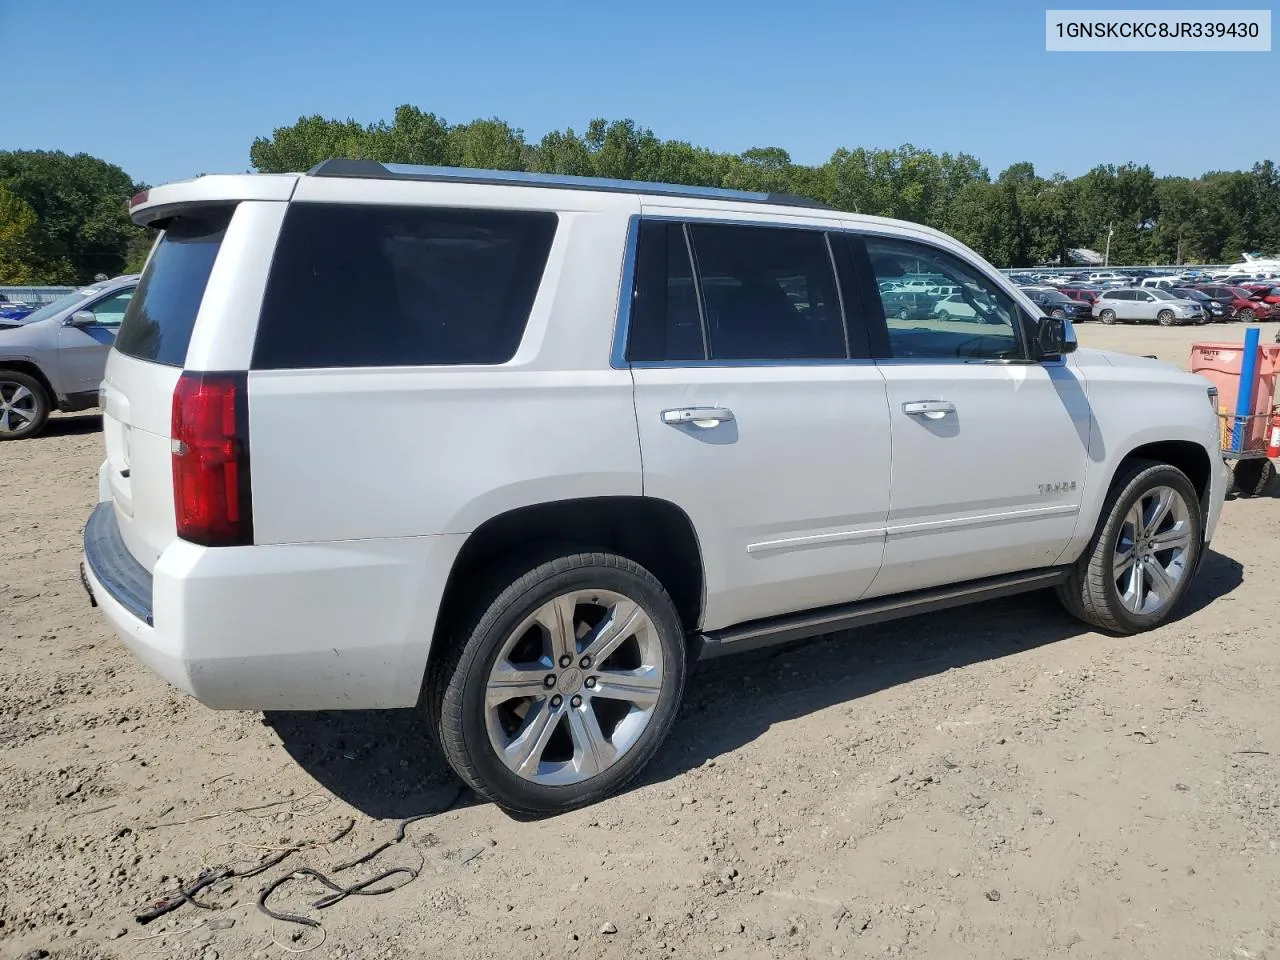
{"x": 160, "y": 203}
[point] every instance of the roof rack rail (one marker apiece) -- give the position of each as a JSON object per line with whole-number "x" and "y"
{"x": 373, "y": 170}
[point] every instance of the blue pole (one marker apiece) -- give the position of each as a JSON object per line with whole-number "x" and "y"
{"x": 1248, "y": 389}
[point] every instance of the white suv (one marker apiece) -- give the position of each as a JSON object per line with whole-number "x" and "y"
{"x": 518, "y": 449}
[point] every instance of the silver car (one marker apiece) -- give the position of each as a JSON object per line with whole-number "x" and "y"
{"x": 1131, "y": 303}
{"x": 55, "y": 357}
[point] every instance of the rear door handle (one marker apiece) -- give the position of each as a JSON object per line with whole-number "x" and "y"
{"x": 698, "y": 416}
{"x": 929, "y": 409}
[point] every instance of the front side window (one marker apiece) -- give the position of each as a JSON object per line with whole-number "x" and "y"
{"x": 985, "y": 329}
{"x": 110, "y": 310}
{"x": 357, "y": 285}
{"x": 768, "y": 293}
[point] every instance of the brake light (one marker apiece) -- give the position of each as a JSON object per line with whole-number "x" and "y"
{"x": 210, "y": 431}
{"x": 139, "y": 197}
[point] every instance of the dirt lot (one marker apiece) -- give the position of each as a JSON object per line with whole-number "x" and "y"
{"x": 997, "y": 782}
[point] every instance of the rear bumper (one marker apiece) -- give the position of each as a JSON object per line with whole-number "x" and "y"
{"x": 328, "y": 626}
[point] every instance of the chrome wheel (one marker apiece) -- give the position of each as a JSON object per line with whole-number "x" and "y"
{"x": 1152, "y": 551}
{"x": 19, "y": 407}
{"x": 573, "y": 687}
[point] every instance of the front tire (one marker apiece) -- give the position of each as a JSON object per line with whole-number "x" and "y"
{"x": 564, "y": 686}
{"x": 1139, "y": 563}
{"x": 24, "y": 405}
{"x": 1246, "y": 315}
{"x": 1165, "y": 318}
{"x": 1249, "y": 478}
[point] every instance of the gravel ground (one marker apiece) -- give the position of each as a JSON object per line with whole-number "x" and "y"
{"x": 995, "y": 782}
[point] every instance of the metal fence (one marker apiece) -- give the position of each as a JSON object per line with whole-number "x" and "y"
{"x": 35, "y": 295}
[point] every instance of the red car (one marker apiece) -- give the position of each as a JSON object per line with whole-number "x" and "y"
{"x": 1080, "y": 293}
{"x": 1244, "y": 304}
{"x": 1271, "y": 294}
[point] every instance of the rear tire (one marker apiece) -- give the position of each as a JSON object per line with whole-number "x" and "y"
{"x": 1126, "y": 530}
{"x": 1107, "y": 316}
{"x": 522, "y": 712}
{"x": 24, "y": 405}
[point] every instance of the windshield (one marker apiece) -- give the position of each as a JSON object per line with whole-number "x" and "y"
{"x": 1191, "y": 294}
{"x": 1162, "y": 294}
{"x": 49, "y": 309}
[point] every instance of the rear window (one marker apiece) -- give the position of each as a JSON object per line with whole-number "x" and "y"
{"x": 378, "y": 286}
{"x": 157, "y": 326}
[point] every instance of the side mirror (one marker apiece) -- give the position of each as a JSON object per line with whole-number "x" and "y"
{"x": 1050, "y": 337}
{"x": 82, "y": 318}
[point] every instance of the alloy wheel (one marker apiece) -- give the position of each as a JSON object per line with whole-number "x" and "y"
{"x": 573, "y": 687}
{"x": 19, "y": 407}
{"x": 1152, "y": 550}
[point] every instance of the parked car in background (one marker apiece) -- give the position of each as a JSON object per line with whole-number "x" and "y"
{"x": 1243, "y": 304}
{"x": 1057, "y": 304}
{"x": 907, "y": 305}
{"x": 1158, "y": 283}
{"x": 1142, "y": 306}
{"x": 55, "y": 358}
{"x": 1261, "y": 289}
{"x": 1214, "y": 312}
{"x": 11, "y": 311}
{"x": 1083, "y": 294}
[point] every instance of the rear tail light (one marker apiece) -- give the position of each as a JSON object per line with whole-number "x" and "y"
{"x": 210, "y": 431}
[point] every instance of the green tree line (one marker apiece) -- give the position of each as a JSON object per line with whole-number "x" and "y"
{"x": 64, "y": 218}
{"x": 1017, "y": 218}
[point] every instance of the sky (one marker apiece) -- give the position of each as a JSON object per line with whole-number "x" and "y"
{"x": 169, "y": 89}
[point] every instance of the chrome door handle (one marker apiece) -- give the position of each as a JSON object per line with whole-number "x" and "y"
{"x": 698, "y": 416}
{"x": 929, "y": 409}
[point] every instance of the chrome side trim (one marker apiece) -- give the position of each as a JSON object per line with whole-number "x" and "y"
{"x": 981, "y": 520}
{"x": 816, "y": 540}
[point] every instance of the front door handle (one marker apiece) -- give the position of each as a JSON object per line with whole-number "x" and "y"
{"x": 698, "y": 416}
{"x": 929, "y": 409}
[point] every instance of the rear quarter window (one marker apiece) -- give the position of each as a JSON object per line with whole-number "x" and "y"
{"x": 158, "y": 322}
{"x": 377, "y": 286}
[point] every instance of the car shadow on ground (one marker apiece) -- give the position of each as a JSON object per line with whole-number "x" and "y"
{"x": 71, "y": 425}
{"x": 383, "y": 763}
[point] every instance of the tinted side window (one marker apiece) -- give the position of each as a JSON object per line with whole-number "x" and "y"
{"x": 768, "y": 293}
{"x": 982, "y": 325}
{"x": 378, "y": 286}
{"x": 158, "y": 322}
{"x": 665, "y": 323}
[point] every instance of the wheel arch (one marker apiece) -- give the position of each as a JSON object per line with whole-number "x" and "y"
{"x": 654, "y": 533}
{"x": 32, "y": 370}
{"x": 1187, "y": 455}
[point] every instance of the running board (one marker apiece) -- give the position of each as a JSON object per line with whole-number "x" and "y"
{"x": 815, "y": 623}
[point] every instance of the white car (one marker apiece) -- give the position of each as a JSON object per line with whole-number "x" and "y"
{"x": 518, "y": 449}
{"x": 1134, "y": 304}
{"x": 954, "y": 306}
